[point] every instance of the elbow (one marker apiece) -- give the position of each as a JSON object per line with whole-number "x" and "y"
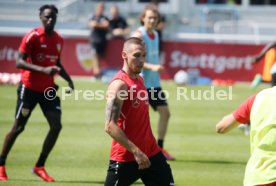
{"x": 18, "y": 64}
{"x": 107, "y": 128}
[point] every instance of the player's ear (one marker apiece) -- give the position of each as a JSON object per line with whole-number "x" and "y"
{"x": 124, "y": 55}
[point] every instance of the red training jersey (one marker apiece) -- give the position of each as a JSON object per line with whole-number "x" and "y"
{"x": 242, "y": 113}
{"x": 43, "y": 50}
{"x": 134, "y": 121}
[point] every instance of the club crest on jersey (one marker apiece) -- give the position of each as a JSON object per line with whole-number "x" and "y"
{"x": 40, "y": 57}
{"x": 25, "y": 112}
{"x": 59, "y": 47}
{"x": 135, "y": 103}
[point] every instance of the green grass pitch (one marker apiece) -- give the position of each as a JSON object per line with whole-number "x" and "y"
{"x": 80, "y": 156}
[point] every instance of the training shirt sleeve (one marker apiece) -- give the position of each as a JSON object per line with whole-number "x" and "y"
{"x": 242, "y": 113}
{"x": 26, "y": 43}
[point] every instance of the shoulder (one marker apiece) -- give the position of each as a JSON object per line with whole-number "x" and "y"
{"x": 93, "y": 17}
{"x": 32, "y": 34}
{"x": 141, "y": 80}
{"x": 58, "y": 36}
{"x": 117, "y": 85}
{"x": 270, "y": 90}
{"x": 119, "y": 76}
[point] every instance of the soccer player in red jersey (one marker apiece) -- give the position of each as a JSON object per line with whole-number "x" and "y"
{"x": 134, "y": 151}
{"x": 39, "y": 61}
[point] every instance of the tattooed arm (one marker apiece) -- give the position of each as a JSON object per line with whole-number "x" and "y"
{"x": 113, "y": 109}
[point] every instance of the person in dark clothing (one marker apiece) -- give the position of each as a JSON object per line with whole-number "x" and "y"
{"x": 118, "y": 25}
{"x": 99, "y": 25}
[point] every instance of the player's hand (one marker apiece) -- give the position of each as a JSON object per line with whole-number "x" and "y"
{"x": 93, "y": 23}
{"x": 105, "y": 23}
{"x": 51, "y": 70}
{"x": 118, "y": 32}
{"x": 71, "y": 86}
{"x": 158, "y": 68}
{"x": 142, "y": 160}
